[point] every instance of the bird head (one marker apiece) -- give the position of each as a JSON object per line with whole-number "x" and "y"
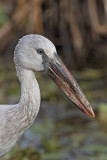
{"x": 35, "y": 52}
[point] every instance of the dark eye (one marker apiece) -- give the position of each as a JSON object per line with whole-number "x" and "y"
{"x": 40, "y": 51}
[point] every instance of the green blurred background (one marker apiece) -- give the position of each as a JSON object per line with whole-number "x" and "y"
{"x": 78, "y": 28}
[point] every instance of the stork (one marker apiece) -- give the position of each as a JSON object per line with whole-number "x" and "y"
{"x": 35, "y": 53}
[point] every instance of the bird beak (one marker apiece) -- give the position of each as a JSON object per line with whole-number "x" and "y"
{"x": 62, "y": 77}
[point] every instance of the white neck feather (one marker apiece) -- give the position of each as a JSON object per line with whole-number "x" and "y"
{"x": 15, "y": 119}
{"x": 30, "y": 96}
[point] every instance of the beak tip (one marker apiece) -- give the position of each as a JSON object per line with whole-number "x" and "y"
{"x": 92, "y": 114}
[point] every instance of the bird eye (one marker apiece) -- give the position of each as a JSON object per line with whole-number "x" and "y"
{"x": 40, "y": 51}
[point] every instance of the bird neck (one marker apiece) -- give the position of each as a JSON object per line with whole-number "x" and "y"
{"x": 30, "y": 95}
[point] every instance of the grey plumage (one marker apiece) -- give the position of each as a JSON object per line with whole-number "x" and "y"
{"x": 15, "y": 119}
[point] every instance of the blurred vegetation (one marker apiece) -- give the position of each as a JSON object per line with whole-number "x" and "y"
{"x": 78, "y": 28}
{"x": 60, "y": 132}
